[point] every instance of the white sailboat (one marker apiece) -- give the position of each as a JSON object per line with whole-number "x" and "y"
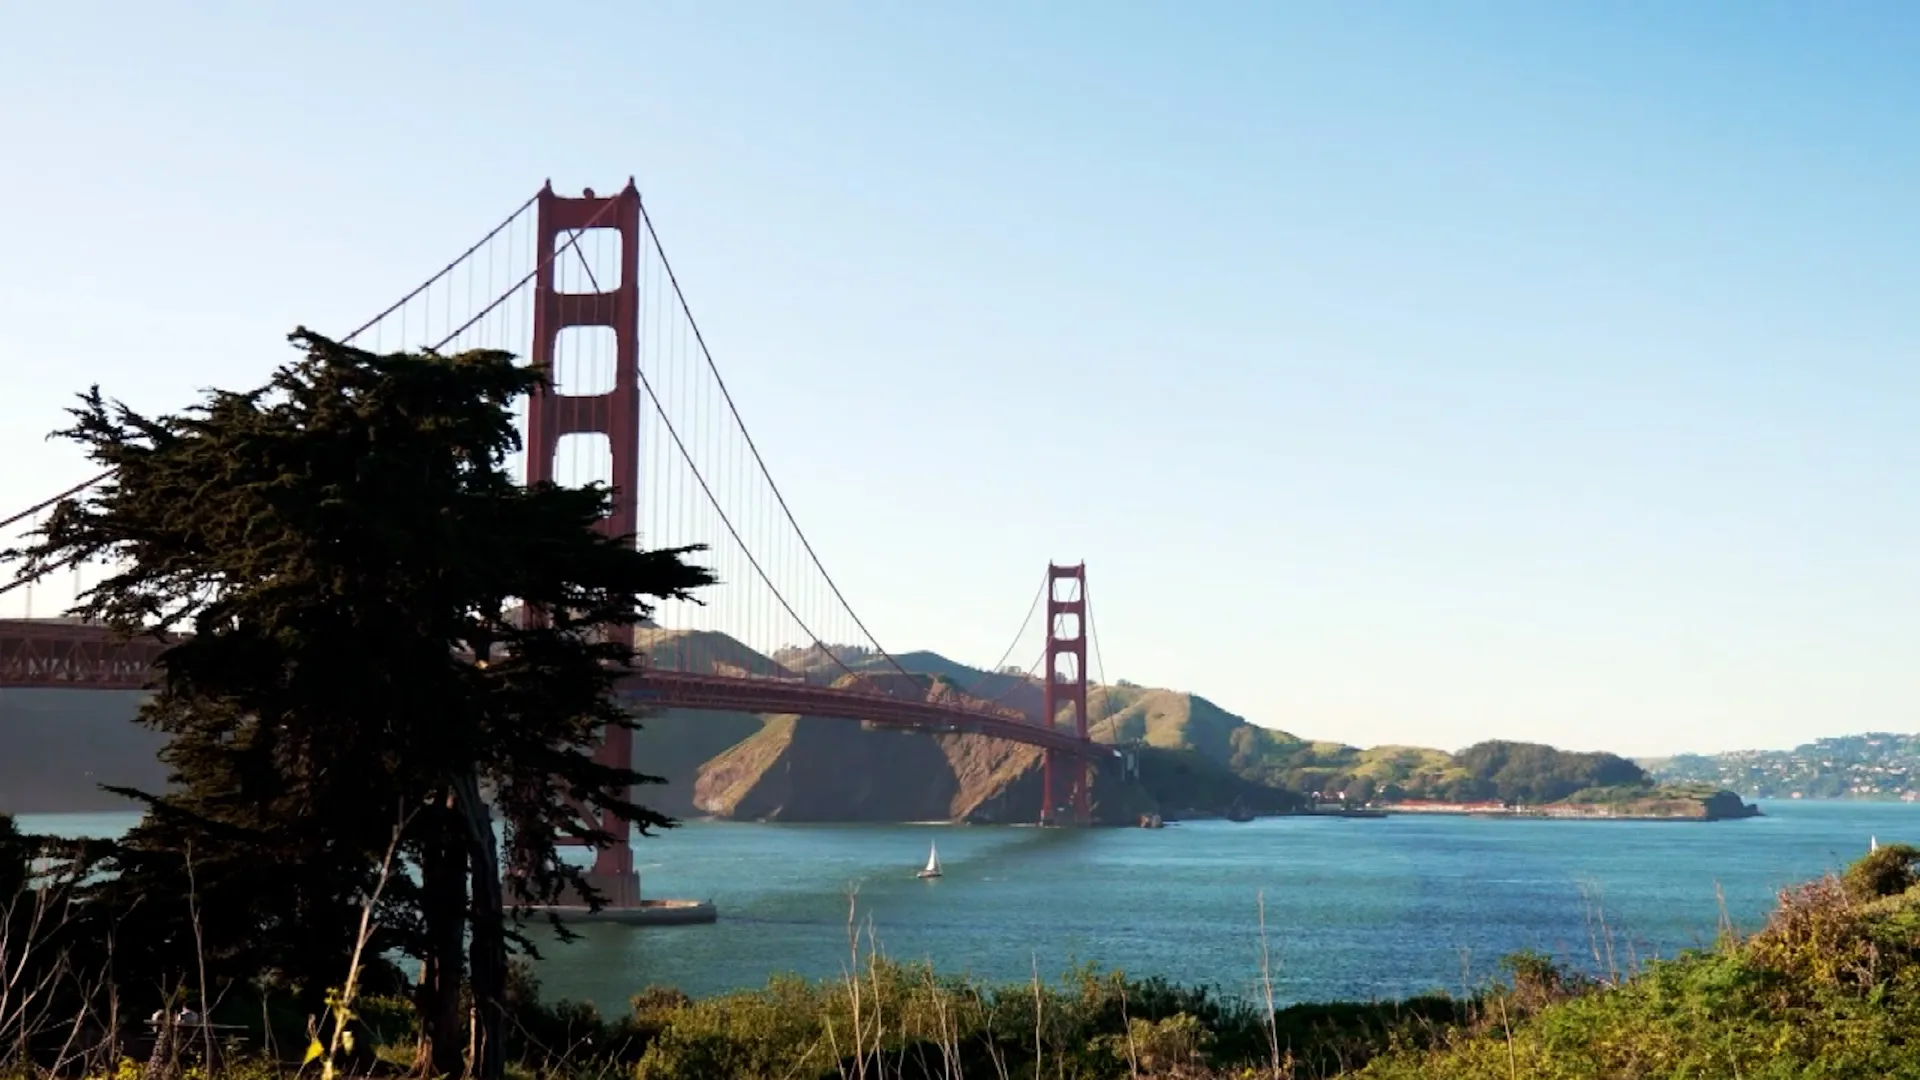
{"x": 932, "y": 869}
{"x": 1873, "y": 843}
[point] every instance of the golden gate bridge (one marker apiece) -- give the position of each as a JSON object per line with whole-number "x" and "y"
{"x": 582, "y": 287}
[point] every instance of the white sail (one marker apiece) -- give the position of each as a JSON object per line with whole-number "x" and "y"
{"x": 933, "y": 860}
{"x": 1873, "y": 843}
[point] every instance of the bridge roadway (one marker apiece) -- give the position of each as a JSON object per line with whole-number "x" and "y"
{"x": 50, "y": 654}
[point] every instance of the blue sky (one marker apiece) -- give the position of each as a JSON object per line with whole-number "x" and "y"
{"x": 1404, "y": 372}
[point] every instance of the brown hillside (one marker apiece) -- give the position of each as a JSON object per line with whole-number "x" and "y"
{"x": 828, "y": 769}
{"x": 996, "y": 782}
{"x": 832, "y": 662}
{"x": 810, "y": 769}
{"x": 817, "y": 769}
{"x": 703, "y": 651}
{"x": 825, "y": 769}
{"x": 674, "y": 744}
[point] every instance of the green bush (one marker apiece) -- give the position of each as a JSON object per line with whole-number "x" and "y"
{"x": 1887, "y": 871}
{"x": 1828, "y": 989}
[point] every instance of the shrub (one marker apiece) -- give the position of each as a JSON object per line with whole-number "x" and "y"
{"x": 1887, "y": 871}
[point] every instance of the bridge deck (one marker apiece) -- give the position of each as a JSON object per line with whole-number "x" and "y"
{"x": 47, "y": 654}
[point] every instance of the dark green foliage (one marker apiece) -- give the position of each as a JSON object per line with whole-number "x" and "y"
{"x": 1509, "y": 772}
{"x": 15, "y": 855}
{"x": 541, "y": 1034}
{"x": 1533, "y": 773}
{"x": 343, "y": 543}
{"x": 1185, "y": 780}
{"x": 45, "y": 987}
{"x": 1829, "y": 988}
{"x": 1887, "y": 871}
{"x": 1088, "y": 1024}
{"x": 1328, "y": 1039}
{"x": 924, "y": 1026}
{"x": 245, "y": 897}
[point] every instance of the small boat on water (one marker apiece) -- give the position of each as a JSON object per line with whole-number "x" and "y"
{"x": 932, "y": 869}
{"x": 1873, "y": 844}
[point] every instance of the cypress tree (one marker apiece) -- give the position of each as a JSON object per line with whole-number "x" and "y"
{"x": 353, "y": 559}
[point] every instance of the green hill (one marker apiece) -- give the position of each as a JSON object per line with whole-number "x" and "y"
{"x": 1175, "y": 720}
{"x": 1127, "y": 714}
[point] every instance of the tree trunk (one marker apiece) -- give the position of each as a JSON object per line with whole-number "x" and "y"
{"x": 487, "y": 957}
{"x": 443, "y": 901}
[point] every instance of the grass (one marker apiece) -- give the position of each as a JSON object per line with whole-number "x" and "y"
{"x": 1828, "y": 988}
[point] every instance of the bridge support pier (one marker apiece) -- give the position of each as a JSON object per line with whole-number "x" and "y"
{"x": 1049, "y": 805}
{"x": 618, "y": 890}
{"x": 1065, "y": 789}
{"x": 1064, "y": 783}
{"x": 613, "y": 874}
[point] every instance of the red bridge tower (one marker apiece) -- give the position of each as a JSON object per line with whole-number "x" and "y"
{"x": 614, "y": 414}
{"x": 1066, "y": 674}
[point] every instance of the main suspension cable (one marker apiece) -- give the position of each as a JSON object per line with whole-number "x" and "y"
{"x": 1100, "y": 664}
{"x": 39, "y": 506}
{"x": 1017, "y": 635}
{"x": 363, "y": 328}
{"x": 444, "y": 271}
{"x": 667, "y": 422}
{"x": 1032, "y": 673}
{"x": 647, "y": 220}
{"x": 531, "y": 274}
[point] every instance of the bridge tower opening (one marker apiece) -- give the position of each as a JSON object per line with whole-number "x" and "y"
{"x": 613, "y": 414}
{"x": 1065, "y": 780}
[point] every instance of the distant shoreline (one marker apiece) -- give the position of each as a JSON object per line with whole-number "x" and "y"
{"x": 1724, "y": 806}
{"x": 1534, "y": 815}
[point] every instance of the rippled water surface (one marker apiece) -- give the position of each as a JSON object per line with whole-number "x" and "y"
{"x": 1354, "y": 907}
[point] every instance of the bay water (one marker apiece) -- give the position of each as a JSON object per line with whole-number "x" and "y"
{"x": 1354, "y": 908}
